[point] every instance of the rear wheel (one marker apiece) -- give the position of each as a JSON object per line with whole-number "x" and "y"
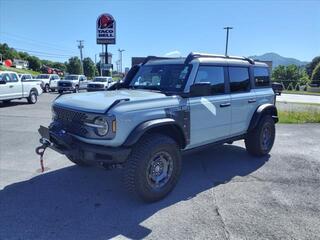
{"x": 33, "y": 98}
{"x": 153, "y": 167}
{"x": 260, "y": 140}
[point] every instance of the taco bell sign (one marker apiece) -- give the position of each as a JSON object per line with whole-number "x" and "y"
{"x": 106, "y": 29}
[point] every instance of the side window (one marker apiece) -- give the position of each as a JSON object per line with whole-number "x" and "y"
{"x": 14, "y": 77}
{"x": 5, "y": 77}
{"x": 213, "y": 75}
{"x": 261, "y": 76}
{"x": 239, "y": 79}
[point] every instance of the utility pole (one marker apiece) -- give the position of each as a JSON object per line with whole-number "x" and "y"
{"x": 120, "y": 60}
{"x": 80, "y": 46}
{"x": 227, "y": 40}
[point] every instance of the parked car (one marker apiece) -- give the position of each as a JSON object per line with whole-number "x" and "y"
{"x": 277, "y": 88}
{"x": 72, "y": 83}
{"x": 99, "y": 84}
{"x": 162, "y": 108}
{"x": 46, "y": 81}
{"x": 12, "y": 87}
{"x": 25, "y": 77}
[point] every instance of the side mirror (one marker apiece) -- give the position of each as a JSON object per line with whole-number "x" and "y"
{"x": 200, "y": 89}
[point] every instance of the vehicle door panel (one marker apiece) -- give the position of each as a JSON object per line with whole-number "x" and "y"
{"x": 210, "y": 116}
{"x": 243, "y": 99}
{"x": 15, "y": 86}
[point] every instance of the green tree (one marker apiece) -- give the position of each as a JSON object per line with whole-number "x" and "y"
{"x": 291, "y": 75}
{"x": 74, "y": 66}
{"x": 60, "y": 66}
{"x": 34, "y": 63}
{"x": 89, "y": 67}
{"x": 316, "y": 74}
{"x": 312, "y": 65}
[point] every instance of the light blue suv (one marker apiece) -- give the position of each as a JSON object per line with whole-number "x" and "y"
{"x": 162, "y": 108}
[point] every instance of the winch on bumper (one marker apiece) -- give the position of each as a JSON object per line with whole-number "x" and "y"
{"x": 68, "y": 145}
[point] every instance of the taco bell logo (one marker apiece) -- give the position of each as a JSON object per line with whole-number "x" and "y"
{"x": 106, "y": 29}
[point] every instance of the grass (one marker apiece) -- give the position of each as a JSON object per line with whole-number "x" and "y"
{"x": 3, "y": 68}
{"x": 301, "y": 92}
{"x": 312, "y": 116}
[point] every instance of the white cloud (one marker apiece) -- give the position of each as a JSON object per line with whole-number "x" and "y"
{"x": 175, "y": 53}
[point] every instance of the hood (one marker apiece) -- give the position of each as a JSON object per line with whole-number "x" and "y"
{"x": 99, "y": 102}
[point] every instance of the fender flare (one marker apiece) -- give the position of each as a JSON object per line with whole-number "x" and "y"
{"x": 261, "y": 110}
{"x": 142, "y": 128}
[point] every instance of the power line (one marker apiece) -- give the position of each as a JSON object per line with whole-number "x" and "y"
{"x": 35, "y": 42}
{"x": 45, "y": 53}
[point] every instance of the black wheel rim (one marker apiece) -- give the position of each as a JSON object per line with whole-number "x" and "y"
{"x": 266, "y": 137}
{"x": 159, "y": 170}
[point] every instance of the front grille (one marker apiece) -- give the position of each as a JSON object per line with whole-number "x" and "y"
{"x": 72, "y": 121}
{"x": 95, "y": 85}
{"x": 64, "y": 84}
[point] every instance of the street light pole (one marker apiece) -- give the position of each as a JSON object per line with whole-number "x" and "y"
{"x": 227, "y": 40}
{"x": 80, "y": 46}
{"x": 120, "y": 55}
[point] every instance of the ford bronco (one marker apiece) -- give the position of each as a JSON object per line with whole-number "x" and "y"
{"x": 162, "y": 108}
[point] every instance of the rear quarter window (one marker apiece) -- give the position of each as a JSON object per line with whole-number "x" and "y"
{"x": 261, "y": 77}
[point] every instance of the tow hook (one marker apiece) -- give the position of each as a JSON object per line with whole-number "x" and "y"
{"x": 41, "y": 149}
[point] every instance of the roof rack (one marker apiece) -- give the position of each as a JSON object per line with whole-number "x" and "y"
{"x": 194, "y": 55}
{"x": 147, "y": 59}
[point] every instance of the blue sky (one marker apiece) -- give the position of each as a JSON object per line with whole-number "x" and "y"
{"x": 50, "y": 28}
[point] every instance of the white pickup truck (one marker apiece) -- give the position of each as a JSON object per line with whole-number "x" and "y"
{"x": 12, "y": 87}
{"x": 49, "y": 81}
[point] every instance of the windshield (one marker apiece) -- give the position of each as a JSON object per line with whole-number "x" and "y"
{"x": 167, "y": 78}
{"x": 43, "y": 76}
{"x": 100, "y": 79}
{"x": 71, "y": 77}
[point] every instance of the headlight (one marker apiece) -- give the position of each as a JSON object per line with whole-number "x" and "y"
{"x": 101, "y": 125}
{"x": 53, "y": 114}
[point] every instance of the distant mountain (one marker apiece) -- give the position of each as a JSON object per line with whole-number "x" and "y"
{"x": 278, "y": 60}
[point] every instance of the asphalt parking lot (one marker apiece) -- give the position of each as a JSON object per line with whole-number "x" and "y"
{"x": 223, "y": 192}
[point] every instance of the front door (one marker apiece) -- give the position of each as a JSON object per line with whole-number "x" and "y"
{"x": 210, "y": 116}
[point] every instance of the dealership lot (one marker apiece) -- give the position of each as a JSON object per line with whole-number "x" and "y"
{"x": 223, "y": 192}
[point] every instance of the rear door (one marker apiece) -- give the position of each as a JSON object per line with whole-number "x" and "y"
{"x": 243, "y": 99}
{"x": 210, "y": 116}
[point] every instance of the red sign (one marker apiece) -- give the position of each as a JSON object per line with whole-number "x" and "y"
{"x": 106, "y": 29}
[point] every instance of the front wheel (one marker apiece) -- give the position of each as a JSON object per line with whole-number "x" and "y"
{"x": 260, "y": 140}
{"x": 46, "y": 88}
{"x": 153, "y": 168}
{"x": 33, "y": 98}
{"x": 76, "y": 90}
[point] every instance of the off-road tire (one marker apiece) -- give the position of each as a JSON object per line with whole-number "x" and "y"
{"x": 254, "y": 139}
{"x": 136, "y": 168}
{"x": 33, "y": 97}
{"x": 78, "y": 161}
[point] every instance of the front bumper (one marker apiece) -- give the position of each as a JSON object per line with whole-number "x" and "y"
{"x": 66, "y": 144}
{"x": 66, "y": 88}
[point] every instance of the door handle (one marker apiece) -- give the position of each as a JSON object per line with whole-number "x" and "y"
{"x": 11, "y": 86}
{"x": 252, "y": 100}
{"x": 225, "y": 105}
